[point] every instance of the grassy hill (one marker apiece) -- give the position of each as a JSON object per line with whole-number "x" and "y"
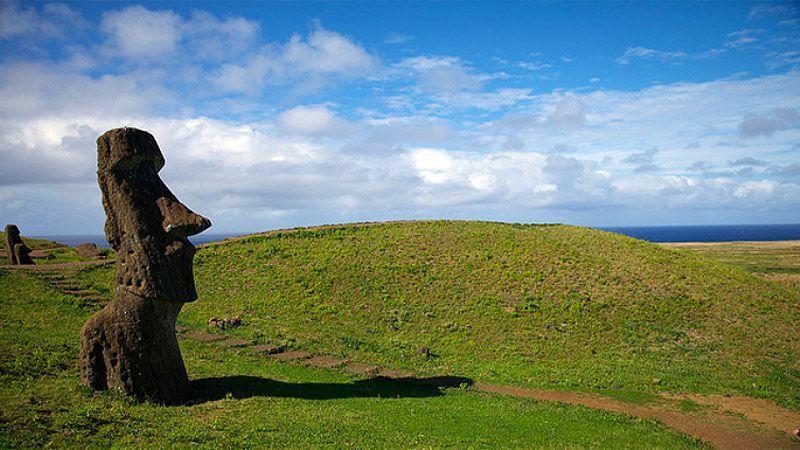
{"x": 32, "y": 243}
{"x": 550, "y": 306}
{"x": 56, "y": 251}
{"x": 555, "y": 306}
{"x": 249, "y": 401}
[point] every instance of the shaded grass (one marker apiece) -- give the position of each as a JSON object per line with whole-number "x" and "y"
{"x": 244, "y": 400}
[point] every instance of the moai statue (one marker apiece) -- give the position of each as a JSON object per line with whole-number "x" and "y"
{"x": 130, "y": 345}
{"x": 11, "y": 232}
{"x": 18, "y": 252}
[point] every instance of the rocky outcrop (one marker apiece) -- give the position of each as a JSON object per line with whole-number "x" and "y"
{"x": 88, "y": 250}
{"x": 130, "y": 345}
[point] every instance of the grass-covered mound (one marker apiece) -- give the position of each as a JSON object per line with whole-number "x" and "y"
{"x": 556, "y": 306}
{"x": 57, "y": 252}
{"x": 32, "y": 243}
{"x": 249, "y": 401}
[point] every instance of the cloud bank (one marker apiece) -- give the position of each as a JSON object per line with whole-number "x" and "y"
{"x": 442, "y": 137}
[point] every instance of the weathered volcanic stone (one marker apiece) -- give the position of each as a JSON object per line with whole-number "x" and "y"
{"x": 16, "y": 250}
{"x": 130, "y": 345}
{"x": 22, "y": 253}
{"x": 11, "y": 231}
{"x": 88, "y": 250}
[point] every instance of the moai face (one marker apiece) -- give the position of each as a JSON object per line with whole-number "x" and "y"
{"x": 145, "y": 223}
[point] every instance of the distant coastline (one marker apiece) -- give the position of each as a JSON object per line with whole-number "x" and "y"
{"x": 661, "y": 234}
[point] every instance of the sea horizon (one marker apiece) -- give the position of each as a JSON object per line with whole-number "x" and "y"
{"x": 651, "y": 233}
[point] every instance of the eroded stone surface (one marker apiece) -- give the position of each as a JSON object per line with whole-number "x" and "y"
{"x": 88, "y": 250}
{"x": 16, "y": 250}
{"x": 130, "y": 345}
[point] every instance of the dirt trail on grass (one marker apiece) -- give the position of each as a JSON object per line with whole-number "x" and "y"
{"x": 764, "y": 424}
{"x": 41, "y": 267}
{"x": 724, "y": 422}
{"x": 718, "y": 428}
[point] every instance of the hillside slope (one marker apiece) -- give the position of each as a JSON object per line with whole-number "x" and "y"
{"x": 556, "y": 306}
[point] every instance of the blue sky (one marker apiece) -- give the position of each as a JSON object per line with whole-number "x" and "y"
{"x": 283, "y": 114}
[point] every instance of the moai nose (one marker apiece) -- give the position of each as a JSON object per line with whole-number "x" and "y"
{"x": 180, "y": 220}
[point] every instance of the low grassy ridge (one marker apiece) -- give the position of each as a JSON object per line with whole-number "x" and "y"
{"x": 244, "y": 400}
{"x": 33, "y": 243}
{"x": 544, "y": 306}
{"x": 776, "y": 261}
{"x": 58, "y": 252}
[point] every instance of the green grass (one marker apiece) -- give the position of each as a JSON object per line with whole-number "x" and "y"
{"x": 545, "y": 306}
{"x": 33, "y": 243}
{"x": 781, "y": 257}
{"x": 248, "y": 401}
{"x": 59, "y": 253}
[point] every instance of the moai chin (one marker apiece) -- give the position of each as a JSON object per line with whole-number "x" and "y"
{"x": 130, "y": 345}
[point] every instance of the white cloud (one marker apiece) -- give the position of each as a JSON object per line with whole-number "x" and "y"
{"x": 648, "y": 53}
{"x": 139, "y": 33}
{"x": 397, "y": 38}
{"x": 159, "y": 36}
{"x": 534, "y": 66}
{"x": 488, "y": 101}
{"x": 767, "y": 124}
{"x": 55, "y": 21}
{"x": 756, "y": 188}
{"x": 311, "y": 120}
{"x": 442, "y": 74}
{"x": 772, "y": 9}
{"x": 327, "y": 52}
{"x": 323, "y": 54}
{"x": 460, "y": 142}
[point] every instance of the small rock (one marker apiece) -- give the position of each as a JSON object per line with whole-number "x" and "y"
{"x": 267, "y": 349}
{"x": 797, "y": 432}
{"x": 225, "y": 323}
{"x": 424, "y": 351}
{"x": 88, "y": 250}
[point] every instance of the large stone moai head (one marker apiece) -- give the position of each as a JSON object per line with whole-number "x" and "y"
{"x": 145, "y": 223}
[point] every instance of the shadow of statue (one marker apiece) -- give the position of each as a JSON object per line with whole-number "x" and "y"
{"x": 242, "y": 386}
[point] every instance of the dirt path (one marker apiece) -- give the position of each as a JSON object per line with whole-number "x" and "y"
{"x": 718, "y": 427}
{"x": 724, "y": 422}
{"x": 56, "y": 266}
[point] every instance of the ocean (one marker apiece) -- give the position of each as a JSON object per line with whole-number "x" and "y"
{"x": 711, "y": 233}
{"x": 684, "y": 233}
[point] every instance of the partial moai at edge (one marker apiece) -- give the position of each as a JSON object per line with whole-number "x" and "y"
{"x": 130, "y": 345}
{"x": 16, "y": 250}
